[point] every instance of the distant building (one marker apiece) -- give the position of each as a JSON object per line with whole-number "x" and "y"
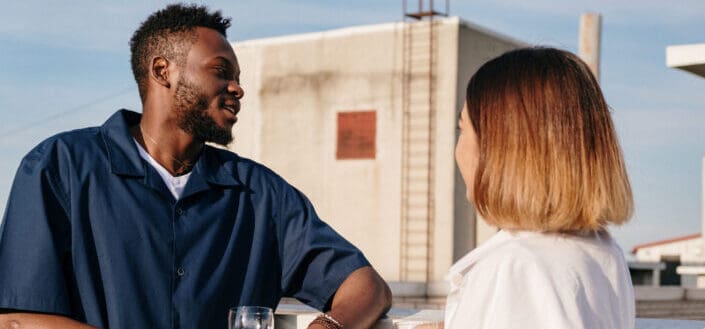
{"x": 687, "y": 249}
{"x": 658, "y": 262}
{"x": 363, "y": 120}
{"x": 646, "y": 273}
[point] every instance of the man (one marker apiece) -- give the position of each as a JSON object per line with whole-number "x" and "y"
{"x": 139, "y": 224}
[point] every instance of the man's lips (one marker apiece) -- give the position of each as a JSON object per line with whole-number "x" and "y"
{"x": 233, "y": 108}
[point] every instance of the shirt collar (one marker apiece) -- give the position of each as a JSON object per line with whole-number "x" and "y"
{"x": 123, "y": 155}
{"x": 216, "y": 169}
{"x": 125, "y": 159}
{"x": 463, "y": 265}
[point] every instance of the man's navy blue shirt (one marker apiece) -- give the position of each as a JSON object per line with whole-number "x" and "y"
{"x": 91, "y": 232}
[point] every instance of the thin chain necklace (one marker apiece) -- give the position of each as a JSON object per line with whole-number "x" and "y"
{"x": 183, "y": 166}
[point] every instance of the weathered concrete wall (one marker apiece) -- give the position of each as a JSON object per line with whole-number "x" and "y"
{"x": 476, "y": 46}
{"x": 295, "y": 87}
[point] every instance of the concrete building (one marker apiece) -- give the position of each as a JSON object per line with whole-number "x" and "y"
{"x": 689, "y": 58}
{"x": 363, "y": 121}
{"x": 646, "y": 273}
{"x": 688, "y": 249}
{"x": 664, "y": 259}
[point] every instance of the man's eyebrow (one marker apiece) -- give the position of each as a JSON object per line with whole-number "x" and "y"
{"x": 223, "y": 59}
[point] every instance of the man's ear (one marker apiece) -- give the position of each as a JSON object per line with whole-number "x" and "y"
{"x": 159, "y": 71}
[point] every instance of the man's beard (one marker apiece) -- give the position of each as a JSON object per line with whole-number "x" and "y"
{"x": 191, "y": 111}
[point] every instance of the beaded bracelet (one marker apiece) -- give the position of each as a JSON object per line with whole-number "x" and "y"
{"x": 326, "y": 321}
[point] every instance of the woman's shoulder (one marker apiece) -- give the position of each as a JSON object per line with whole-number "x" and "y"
{"x": 528, "y": 279}
{"x": 559, "y": 257}
{"x": 537, "y": 245}
{"x": 519, "y": 254}
{"x": 508, "y": 283}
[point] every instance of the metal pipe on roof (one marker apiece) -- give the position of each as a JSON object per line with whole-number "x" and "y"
{"x": 589, "y": 41}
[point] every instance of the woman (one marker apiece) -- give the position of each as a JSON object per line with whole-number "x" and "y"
{"x": 541, "y": 161}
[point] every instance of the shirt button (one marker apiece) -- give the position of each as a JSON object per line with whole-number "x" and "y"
{"x": 180, "y": 271}
{"x": 179, "y": 211}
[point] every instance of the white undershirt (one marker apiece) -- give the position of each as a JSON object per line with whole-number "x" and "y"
{"x": 174, "y": 184}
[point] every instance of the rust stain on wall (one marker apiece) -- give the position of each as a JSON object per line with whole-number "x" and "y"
{"x": 357, "y": 135}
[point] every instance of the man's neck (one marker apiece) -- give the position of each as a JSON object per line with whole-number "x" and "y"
{"x": 173, "y": 148}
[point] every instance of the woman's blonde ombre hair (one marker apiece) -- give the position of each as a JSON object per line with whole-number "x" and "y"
{"x": 549, "y": 156}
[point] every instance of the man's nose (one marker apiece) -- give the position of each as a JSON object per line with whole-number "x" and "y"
{"x": 235, "y": 88}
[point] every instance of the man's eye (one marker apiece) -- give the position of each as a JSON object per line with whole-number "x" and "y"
{"x": 221, "y": 70}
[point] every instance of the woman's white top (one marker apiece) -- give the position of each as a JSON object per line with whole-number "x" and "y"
{"x": 532, "y": 280}
{"x": 176, "y": 184}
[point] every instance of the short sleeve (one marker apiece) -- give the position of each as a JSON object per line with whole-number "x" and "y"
{"x": 515, "y": 293}
{"x": 315, "y": 259}
{"x": 34, "y": 240}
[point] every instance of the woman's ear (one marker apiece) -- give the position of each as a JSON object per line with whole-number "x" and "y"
{"x": 159, "y": 71}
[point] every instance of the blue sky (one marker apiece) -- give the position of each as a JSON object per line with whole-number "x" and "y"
{"x": 65, "y": 66}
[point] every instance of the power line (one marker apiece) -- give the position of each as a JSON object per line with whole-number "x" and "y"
{"x": 58, "y": 115}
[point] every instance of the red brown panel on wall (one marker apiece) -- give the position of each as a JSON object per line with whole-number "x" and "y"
{"x": 357, "y": 135}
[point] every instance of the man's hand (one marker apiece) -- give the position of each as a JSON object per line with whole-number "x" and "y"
{"x": 38, "y": 321}
{"x": 360, "y": 300}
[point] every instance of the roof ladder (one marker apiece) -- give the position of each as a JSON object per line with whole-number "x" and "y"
{"x": 418, "y": 131}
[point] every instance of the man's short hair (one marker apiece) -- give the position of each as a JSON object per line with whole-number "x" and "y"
{"x": 549, "y": 155}
{"x": 170, "y": 32}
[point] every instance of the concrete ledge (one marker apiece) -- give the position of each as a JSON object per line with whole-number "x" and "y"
{"x": 695, "y": 294}
{"x": 690, "y": 270}
{"x": 437, "y": 289}
{"x": 419, "y": 289}
{"x": 642, "y": 293}
{"x": 690, "y": 58}
{"x": 648, "y": 293}
{"x": 296, "y": 316}
{"x": 668, "y": 324}
{"x": 407, "y": 289}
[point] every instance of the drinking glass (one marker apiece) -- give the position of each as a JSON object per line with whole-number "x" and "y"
{"x": 250, "y": 317}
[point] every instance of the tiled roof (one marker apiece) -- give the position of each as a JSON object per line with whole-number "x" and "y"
{"x": 667, "y": 241}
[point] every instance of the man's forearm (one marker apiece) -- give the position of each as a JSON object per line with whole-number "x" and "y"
{"x": 361, "y": 299}
{"x": 38, "y": 321}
